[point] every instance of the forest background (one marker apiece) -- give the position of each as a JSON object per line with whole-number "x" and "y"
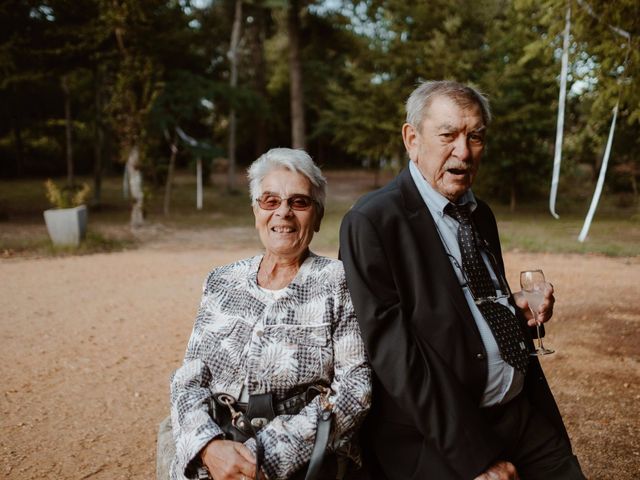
{"x": 87, "y": 87}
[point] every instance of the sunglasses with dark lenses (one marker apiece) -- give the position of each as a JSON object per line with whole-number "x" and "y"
{"x": 269, "y": 201}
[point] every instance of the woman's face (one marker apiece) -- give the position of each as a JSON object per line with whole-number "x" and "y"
{"x": 286, "y": 232}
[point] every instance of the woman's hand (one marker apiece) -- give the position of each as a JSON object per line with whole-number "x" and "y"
{"x": 228, "y": 460}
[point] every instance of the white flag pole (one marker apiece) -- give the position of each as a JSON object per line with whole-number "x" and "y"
{"x": 607, "y": 151}
{"x": 603, "y": 171}
{"x": 557, "y": 157}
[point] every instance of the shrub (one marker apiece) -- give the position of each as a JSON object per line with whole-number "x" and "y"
{"x": 68, "y": 196}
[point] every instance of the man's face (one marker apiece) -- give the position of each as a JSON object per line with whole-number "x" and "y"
{"x": 448, "y": 148}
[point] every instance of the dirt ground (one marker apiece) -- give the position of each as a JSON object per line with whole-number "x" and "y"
{"x": 89, "y": 342}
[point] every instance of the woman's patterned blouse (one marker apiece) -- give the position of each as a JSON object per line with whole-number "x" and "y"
{"x": 248, "y": 337}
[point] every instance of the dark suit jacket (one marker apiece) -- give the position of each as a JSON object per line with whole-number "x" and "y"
{"x": 423, "y": 343}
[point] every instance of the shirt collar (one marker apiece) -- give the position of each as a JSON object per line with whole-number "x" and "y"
{"x": 434, "y": 200}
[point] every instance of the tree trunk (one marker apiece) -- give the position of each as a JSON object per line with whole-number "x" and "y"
{"x": 233, "y": 82}
{"x": 172, "y": 163}
{"x": 135, "y": 187}
{"x": 133, "y": 96}
{"x": 512, "y": 201}
{"x": 18, "y": 145}
{"x": 125, "y": 183}
{"x": 98, "y": 142}
{"x": 298, "y": 139}
{"x": 16, "y": 127}
{"x": 259, "y": 63}
{"x": 67, "y": 120}
{"x": 199, "y": 182}
{"x": 632, "y": 180}
{"x": 231, "y": 168}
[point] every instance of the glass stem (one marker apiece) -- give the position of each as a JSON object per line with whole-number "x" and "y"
{"x": 540, "y": 347}
{"x": 535, "y": 317}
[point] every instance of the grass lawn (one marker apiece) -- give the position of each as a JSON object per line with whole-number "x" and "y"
{"x": 614, "y": 231}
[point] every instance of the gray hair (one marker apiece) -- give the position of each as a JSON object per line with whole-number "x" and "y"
{"x": 464, "y": 96}
{"x": 295, "y": 160}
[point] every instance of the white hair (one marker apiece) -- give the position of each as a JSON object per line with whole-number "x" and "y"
{"x": 295, "y": 160}
{"x": 463, "y": 95}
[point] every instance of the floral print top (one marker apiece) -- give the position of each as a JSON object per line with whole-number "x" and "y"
{"x": 246, "y": 337}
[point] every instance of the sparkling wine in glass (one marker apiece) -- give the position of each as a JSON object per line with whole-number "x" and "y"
{"x": 533, "y": 284}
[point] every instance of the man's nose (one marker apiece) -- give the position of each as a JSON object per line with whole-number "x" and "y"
{"x": 461, "y": 147}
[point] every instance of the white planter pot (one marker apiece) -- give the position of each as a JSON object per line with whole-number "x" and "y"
{"x": 66, "y": 226}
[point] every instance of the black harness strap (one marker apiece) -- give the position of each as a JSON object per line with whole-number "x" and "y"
{"x": 320, "y": 446}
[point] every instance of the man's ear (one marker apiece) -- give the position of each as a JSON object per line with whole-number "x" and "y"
{"x": 410, "y": 139}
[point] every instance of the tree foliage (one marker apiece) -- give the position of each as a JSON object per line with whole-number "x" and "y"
{"x": 604, "y": 71}
{"x": 136, "y": 69}
{"x": 523, "y": 94}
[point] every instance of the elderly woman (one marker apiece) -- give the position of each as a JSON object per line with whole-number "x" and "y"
{"x": 274, "y": 324}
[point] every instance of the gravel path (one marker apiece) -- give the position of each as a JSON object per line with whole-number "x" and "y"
{"x": 88, "y": 344}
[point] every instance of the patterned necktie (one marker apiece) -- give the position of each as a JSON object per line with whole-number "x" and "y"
{"x": 503, "y": 323}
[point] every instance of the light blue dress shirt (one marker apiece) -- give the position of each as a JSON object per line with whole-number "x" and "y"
{"x": 503, "y": 381}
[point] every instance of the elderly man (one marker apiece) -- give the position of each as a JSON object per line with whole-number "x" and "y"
{"x": 457, "y": 394}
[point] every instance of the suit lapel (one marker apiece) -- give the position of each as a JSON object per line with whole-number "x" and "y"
{"x": 424, "y": 229}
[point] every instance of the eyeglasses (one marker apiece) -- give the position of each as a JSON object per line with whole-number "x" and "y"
{"x": 270, "y": 201}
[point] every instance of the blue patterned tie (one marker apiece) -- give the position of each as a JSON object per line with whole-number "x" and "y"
{"x": 503, "y": 323}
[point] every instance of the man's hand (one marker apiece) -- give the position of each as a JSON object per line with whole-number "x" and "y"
{"x": 499, "y": 471}
{"x": 546, "y": 308}
{"x": 227, "y": 460}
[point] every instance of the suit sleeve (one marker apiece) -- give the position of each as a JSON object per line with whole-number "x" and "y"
{"x": 411, "y": 371}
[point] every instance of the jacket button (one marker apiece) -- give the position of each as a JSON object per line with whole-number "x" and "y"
{"x": 259, "y": 333}
{"x": 480, "y": 356}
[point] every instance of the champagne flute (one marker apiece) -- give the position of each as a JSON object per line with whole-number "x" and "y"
{"x": 533, "y": 285}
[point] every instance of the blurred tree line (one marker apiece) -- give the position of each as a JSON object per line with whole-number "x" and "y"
{"x": 92, "y": 86}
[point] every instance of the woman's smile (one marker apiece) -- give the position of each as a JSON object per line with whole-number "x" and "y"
{"x": 284, "y": 231}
